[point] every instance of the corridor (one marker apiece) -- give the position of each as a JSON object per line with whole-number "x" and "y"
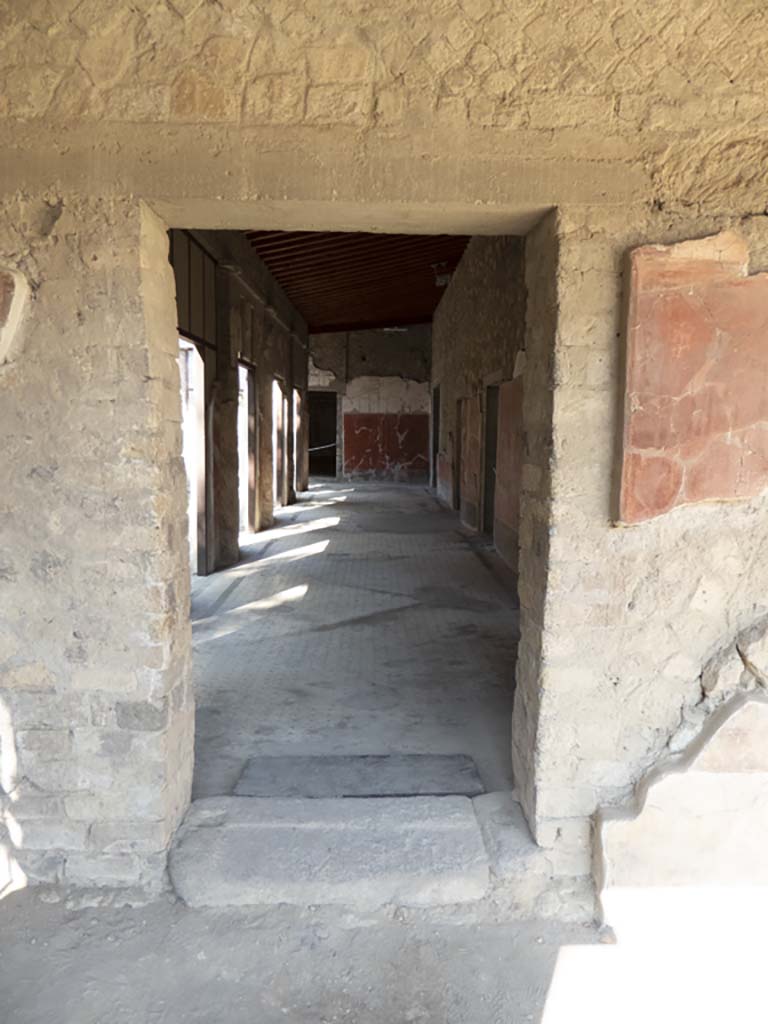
{"x": 366, "y": 622}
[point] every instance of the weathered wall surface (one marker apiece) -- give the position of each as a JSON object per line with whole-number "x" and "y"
{"x": 643, "y": 124}
{"x": 478, "y": 330}
{"x": 616, "y": 635}
{"x": 580, "y": 102}
{"x": 382, "y": 377}
{"x": 95, "y": 705}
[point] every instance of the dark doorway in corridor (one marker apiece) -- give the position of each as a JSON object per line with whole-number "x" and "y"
{"x": 322, "y": 433}
{"x": 491, "y": 446}
{"x": 435, "y": 432}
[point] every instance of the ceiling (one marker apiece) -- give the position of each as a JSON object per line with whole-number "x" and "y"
{"x": 343, "y": 281}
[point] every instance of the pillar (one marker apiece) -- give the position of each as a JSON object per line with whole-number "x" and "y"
{"x": 96, "y": 709}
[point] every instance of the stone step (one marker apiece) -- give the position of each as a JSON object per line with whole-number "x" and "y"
{"x": 360, "y": 775}
{"x": 363, "y": 853}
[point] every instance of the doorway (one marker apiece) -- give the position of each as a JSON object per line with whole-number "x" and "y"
{"x": 246, "y": 450}
{"x": 435, "y": 432}
{"x": 489, "y": 467}
{"x": 278, "y": 444}
{"x": 457, "y": 463}
{"x": 322, "y": 433}
{"x": 192, "y": 374}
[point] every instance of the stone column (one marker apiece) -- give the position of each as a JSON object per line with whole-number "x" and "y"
{"x": 96, "y": 709}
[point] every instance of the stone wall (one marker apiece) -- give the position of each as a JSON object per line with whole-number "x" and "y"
{"x": 382, "y": 378}
{"x": 555, "y": 100}
{"x": 478, "y": 331}
{"x": 642, "y": 125}
{"x": 617, "y": 632}
{"x": 96, "y": 709}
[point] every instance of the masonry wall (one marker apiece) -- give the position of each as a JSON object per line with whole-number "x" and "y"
{"x": 381, "y": 377}
{"x": 96, "y": 713}
{"x": 640, "y": 124}
{"x": 478, "y": 339}
{"x": 616, "y": 635}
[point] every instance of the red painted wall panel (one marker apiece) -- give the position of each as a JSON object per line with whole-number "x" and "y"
{"x": 387, "y": 446}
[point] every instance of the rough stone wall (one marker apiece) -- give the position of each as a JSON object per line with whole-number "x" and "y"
{"x": 674, "y": 93}
{"x": 618, "y": 632}
{"x": 642, "y": 123}
{"x": 479, "y": 328}
{"x": 95, "y": 702}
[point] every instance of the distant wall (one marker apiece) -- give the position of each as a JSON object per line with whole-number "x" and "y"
{"x": 382, "y": 380}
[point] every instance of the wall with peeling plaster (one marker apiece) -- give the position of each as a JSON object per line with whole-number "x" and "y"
{"x": 382, "y": 379}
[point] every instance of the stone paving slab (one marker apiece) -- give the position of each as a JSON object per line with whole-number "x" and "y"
{"x": 385, "y": 775}
{"x": 365, "y": 853}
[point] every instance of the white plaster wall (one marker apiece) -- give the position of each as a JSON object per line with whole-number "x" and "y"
{"x": 386, "y": 395}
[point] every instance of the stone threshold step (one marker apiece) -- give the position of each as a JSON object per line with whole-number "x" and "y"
{"x": 360, "y": 775}
{"x": 362, "y": 853}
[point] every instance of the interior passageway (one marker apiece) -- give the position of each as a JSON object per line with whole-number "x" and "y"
{"x": 367, "y": 621}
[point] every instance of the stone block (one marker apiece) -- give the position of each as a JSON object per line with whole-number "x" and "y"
{"x": 32, "y": 676}
{"x": 342, "y": 104}
{"x": 511, "y": 849}
{"x": 45, "y": 744}
{"x": 51, "y": 834}
{"x": 338, "y": 64}
{"x": 117, "y": 680}
{"x": 134, "y": 837}
{"x": 142, "y": 715}
{"x": 366, "y": 853}
{"x": 100, "y": 869}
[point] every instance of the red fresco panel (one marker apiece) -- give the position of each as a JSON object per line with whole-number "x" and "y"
{"x": 696, "y": 401}
{"x": 387, "y": 446}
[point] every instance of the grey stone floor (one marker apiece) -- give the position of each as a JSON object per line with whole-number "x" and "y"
{"x": 166, "y": 964}
{"x": 365, "y": 622}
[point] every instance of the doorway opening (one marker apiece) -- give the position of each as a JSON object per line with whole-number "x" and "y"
{"x": 279, "y": 446}
{"x": 490, "y": 455}
{"x": 435, "y": 434}
{"x": 246, "y": 450}
{"x": 458, "y": 466}
{"x": 192, "y": 375}
{"x": 338, "y": 645}
{"x": 322, "y": 433}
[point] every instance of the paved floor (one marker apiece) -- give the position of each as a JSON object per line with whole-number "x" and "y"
{"x": 365, "y": 622}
